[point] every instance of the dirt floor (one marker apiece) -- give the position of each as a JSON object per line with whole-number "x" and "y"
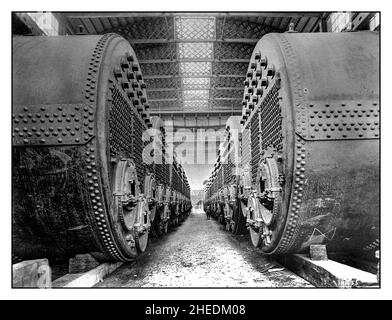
{"x": 200, "y": 253}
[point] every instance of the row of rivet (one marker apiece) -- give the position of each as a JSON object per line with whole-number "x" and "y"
{"x": 35, "y": 131}
{"x": 291, "y": 231}
{"x": 97, "y": 205}
{"x": 363, "y": 121}
{"x": 89, "y": 95}
{"x": 92, "y": 174}
{"x": 351, "y": 113}
{"x": 129, "y": 86}
{"x": 255, "y": 84}
{"x": 296, "y": 201}
{"x": 131, "y": 82}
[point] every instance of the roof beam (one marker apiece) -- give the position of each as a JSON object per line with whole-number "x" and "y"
{"x": 163, "y": 40}
{"x": 359, "y": 19}
{"x": 223, "y": 99}
{"x": 199, "y": 112}
{"x": 164, "y": 100}
{"x": 199, "y": 126}
{"x": 195, "y": 99}
{"x": 310, "y": 25}
{"x": 195, "y": 88}
{"x": 195, "y": 76}
{"x": 165, "y": 89}
{"x": 63, "y": 21}
{"x": 102, "y": 14}
{"x": 192, "y": 60}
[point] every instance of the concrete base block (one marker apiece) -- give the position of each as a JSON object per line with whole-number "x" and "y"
{"x": 86, "y": 279}
{"x": 328, "y": 273}
{"x": 31, "y": 274}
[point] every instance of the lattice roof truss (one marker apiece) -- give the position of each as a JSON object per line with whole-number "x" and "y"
{"x": 193, "y": 62}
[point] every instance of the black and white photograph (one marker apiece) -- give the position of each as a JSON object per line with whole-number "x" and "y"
{"x": 195, "y": 150}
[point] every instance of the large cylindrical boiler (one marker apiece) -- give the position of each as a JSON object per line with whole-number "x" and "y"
{"x": 311, "y": 142}
{"x": 79, "y": 111}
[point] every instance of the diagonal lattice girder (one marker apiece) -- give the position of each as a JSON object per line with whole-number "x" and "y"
{"x": 195, "y": 83}
{"x": 230, "y": 82}
{"x": 146, "y": 28}
{"x": 234, "y": 93}
{"x": 158, "y": 51}
{"x": 159, "y": 95}
{"x": 152, "y": 69}
{"x": 195, "y": 68}
{"x": 223, "y": 68}
{"x": 241, "y": 28}
{"x": 195, "y": 50}
{"x": 196, "y": 105}
{"x": 196, "y": 94}
{"x": 194, "y": 28}
{"x": 153, "y": 83}
{"x": 226, "y": 50}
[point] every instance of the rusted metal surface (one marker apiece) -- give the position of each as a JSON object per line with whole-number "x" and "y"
{"x": 79, "y": 182}
{"x": 310, "y": 147}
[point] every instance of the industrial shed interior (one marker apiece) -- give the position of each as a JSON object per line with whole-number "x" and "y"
{"x": 225, "y": 149}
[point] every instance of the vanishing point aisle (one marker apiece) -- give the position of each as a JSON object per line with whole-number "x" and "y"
{"x": 199, "y": 253}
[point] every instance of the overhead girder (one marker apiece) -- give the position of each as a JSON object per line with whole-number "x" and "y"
{"x": 74, "y": 15}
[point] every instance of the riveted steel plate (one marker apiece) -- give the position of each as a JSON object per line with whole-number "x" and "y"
{"x": 341, "y": 120}
{"x": 55, "y": 124}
